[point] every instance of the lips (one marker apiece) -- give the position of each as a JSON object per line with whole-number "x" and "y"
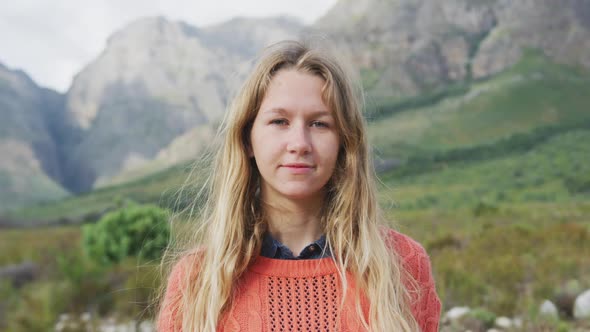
{"x": 298, "y": 168}
{"x": 298, "y": 165}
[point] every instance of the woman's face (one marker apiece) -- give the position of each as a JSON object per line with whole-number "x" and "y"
{"x": 294, "y": 139}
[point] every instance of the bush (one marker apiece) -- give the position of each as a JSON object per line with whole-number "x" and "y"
{"x": 444, "y": 241}
{"x": 136, "y": 230}
{"x": 577, "y": 185}
{"x": 484, "y": 208}
{"x": 488, "y": 318}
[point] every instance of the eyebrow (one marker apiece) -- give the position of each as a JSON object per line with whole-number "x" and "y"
{"x": 282, "y": 111}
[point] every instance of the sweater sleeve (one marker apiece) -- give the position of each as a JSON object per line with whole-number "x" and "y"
{"x": 168, "y": 320}
{"x": 169, "y": 317}
{"x": 426, "y": 305}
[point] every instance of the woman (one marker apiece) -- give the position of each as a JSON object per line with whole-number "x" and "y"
{"x": 292, "y": 238}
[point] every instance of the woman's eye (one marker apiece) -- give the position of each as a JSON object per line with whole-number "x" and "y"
{"x": 320, "y": 124}
{"x": 278, "y": 121}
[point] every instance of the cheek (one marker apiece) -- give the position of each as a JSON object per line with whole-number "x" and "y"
{"x": 334, "y": 147}
{"x": 263, "y": 144}
{"x": 255, "y": 139}
{"x": 330, "y": 150}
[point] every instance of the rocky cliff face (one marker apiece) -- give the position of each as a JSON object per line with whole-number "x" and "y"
{"x": 30, "y": 167}
{"x": 561, "y": 29}
{"x": 405, "y": 47}
{"x": 150, "y": 98}
{"x": 156, "y": 81}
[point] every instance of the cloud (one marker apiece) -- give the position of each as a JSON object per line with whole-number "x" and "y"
{"x": 53, "y": 40}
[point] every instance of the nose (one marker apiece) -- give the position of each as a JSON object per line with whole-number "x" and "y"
{"x": 299, "y": 140}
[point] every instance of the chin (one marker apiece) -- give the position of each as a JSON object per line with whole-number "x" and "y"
{"x": 302, "y": 193}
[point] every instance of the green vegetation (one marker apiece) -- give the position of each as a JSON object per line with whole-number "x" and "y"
{"x": 140, "y": 231}
{"x": 38, "y": 245}
{"x": 385, "y": 107}
{"x": 556, "y": 170}
{"x": 38, "y": 186}
{"x": 535, "y": 93}
{"x": 160, "y": 188}
{"x": 493, "y": 178}
{"x": 68, "y": 281}
{"x": 526, "y": 265}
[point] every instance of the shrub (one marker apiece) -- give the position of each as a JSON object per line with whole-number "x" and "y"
{"x": 136, "y": 230}
{"x": 484, "y": 208}
{"x": 444, "y": 241}
{"x": 38, "y": 306}
{"x": 488, "y": 318}
{"x": 577, "y": 185}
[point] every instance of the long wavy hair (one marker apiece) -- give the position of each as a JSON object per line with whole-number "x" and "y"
{"x": 231, "y": 224}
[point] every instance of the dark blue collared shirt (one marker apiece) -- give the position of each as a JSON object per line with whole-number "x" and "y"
{"x": 272, "y": 248}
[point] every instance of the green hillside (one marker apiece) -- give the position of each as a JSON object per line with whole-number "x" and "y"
{"x": 161, "y": 188}
{"x": 19, "y": 190}
{"x": 555, "y": 170}
{"x": 494, "y": 135}
{"x": 534, "y": 93}
{"x": 493, "y": 178}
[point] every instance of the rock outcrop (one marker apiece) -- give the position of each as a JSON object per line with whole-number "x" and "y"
{"x": 405, "y": 47}
{"x": 156, "y": 81}
{"x": 30, "y": 149}
{"x": 160, "y": 85}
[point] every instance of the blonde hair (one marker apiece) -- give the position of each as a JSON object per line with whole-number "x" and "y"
{"x": 232, "y": 223}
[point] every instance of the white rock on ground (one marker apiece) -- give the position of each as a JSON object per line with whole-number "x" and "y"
{"x": 503, "y": 322}
{"x": 456, "y": 313}
{"x": 130, "y": 326}
{"x": 548, "y": 309}
{"x": 85, "y": 317}
{"x": 517, "y": 321}
{"x": 147, "y": 326}
{"x": 582, "y": 306}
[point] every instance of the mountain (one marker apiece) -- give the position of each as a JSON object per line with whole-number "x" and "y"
{"x": 408, "y": 47}
{"x": 150, "y": 100}
{"x": 153, "y": 97}
{"x": 452, "y": 154}
{"x": 30, "y": 170}
{"x": 156, "y": 81}
{"x": 534, "y": 95}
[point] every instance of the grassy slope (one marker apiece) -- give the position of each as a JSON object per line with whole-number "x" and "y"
{"x": 160, "y": 188}
{"x": 507, "y": 231}
{"x": 553, "y": 171}
{"x": 20, "y": 190}
{"x": 535, "y": 93}
{"x": 503, "y": 232}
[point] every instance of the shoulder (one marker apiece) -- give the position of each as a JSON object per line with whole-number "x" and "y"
{"x": 412, "y": 256}
{"x": 425, "y": 303}
{"x": 406, "y": 248}
{"x": 186, "y": 264}
{"x": 183, "y": 271}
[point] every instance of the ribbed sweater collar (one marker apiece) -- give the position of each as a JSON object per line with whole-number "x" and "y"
{"x": 293, "y": 268}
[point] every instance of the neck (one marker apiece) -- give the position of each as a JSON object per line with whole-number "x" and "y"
{"x": 295, "y": 223}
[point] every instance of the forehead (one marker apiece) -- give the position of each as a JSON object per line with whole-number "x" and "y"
{"x": 293, "y": 90}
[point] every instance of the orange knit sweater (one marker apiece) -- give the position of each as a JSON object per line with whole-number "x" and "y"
{"x": 305, "y": 295}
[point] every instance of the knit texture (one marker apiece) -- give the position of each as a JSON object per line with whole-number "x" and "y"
{"x": 305, "y": 295}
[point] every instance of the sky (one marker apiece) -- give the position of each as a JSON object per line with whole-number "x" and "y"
{"x": 53, "y": 40}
